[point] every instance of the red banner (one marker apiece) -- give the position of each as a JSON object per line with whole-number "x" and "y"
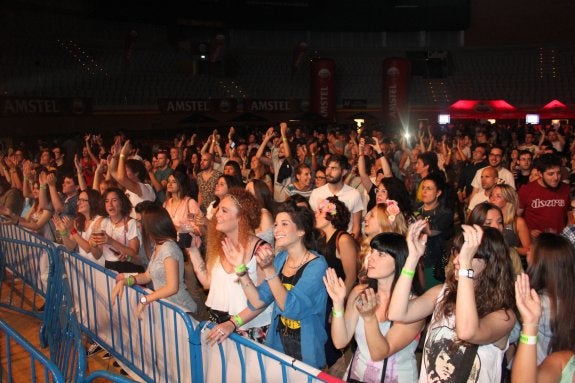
{"x": 323, "y": 88}
{"x": 395, "y": 91}
{"x": 297, "y": 56}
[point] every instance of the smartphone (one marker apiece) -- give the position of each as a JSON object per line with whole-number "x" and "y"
{"x": 232, "y": 145}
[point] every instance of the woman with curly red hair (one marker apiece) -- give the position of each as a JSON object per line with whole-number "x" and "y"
{"x": 235, "y": 220}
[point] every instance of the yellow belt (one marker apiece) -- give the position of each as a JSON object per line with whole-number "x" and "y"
{"x": 290, "y": 323}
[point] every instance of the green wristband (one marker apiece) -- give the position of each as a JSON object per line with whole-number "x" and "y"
{"x": 241, "y": 270}
{"x": 528, "y": 339}
{"x": 130, "y": 281}
{"x": 337, "y": 313}
{"x": 238, "y": 320}
{"x": 407, "y": 273}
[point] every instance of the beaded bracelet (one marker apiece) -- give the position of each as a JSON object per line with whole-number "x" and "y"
{"x": 407, "y": 273}
{"x": 528, "y": 339}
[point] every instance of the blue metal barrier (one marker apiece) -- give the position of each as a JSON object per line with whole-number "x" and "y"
{"x": 48, "y": 370}
{"x": 159, "y": 347}
{"x": 238, "y": 359}
{"x": 26, "y": 262}
{"x": 165, "y": 345}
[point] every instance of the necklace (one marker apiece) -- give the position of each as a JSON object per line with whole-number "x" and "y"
{"x": 304, "y": 259}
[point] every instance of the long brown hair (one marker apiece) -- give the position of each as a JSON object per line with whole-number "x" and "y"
{"x": 157, "y": 226}
{"x": 249, "y": 217}
{"x": 552, "y": 273}
{"x": 494, "y": 287}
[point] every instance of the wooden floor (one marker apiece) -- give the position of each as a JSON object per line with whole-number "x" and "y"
{"x": 29, "y": 328}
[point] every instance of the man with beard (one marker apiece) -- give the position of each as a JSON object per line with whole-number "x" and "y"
{"x": 545, "y": 202}
{"x": 336, "y": 170}
{"x": 207, "y": 179}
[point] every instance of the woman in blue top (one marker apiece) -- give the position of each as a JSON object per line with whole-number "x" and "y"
{"x": 293, "y": 283}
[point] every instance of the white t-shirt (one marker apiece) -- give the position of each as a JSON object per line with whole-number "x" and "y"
{"x": 121, "y": 233}
{"x": 348, "y": 195}
{"x": 148, "y": 194}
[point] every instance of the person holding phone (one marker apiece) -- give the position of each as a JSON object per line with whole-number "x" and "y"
{"x": 115, "y": 235}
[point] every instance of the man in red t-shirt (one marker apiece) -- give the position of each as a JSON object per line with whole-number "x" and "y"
{"x": 544, "y": 203}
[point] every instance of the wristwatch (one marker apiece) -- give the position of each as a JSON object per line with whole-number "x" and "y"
{"x": 144, "y": 300}
{"x": 469, "y": 273}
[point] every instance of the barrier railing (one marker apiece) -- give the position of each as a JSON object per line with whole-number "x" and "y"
{"x": 238, "y": 359}
{"x": 164, "y": 345}
{"x": 26, "y": 265}
{"x": 40, "y": 367}
{"x": 158, "y": 347}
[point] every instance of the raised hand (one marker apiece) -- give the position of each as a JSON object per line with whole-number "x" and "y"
{"x": 51, "y": 179}
{"x": 335, "y": 287}
{"x": 67, "y": 222}
{"x": 235, "y": 255}
{"x": 376, "y": 146}
{"x": 366, "y": 303}
{"x": 58, "y": 222}
{"x": 265, "y": 256}
{"x": 361, "y": 146}
{"x": 27, "y": 168}
{"x": 527, "y": 299}
{"x": 416, "y": 239}
{"x": 270, "y": 133}
{"x": 77, "y": 163}
{"x": 283, "y": 128}
{"x": 126, "y": 149}
{"x": 471, "y": 240}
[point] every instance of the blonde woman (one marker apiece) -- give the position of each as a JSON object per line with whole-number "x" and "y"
{"x": 515, "y": 228}
{"x": 385, "y": 217}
